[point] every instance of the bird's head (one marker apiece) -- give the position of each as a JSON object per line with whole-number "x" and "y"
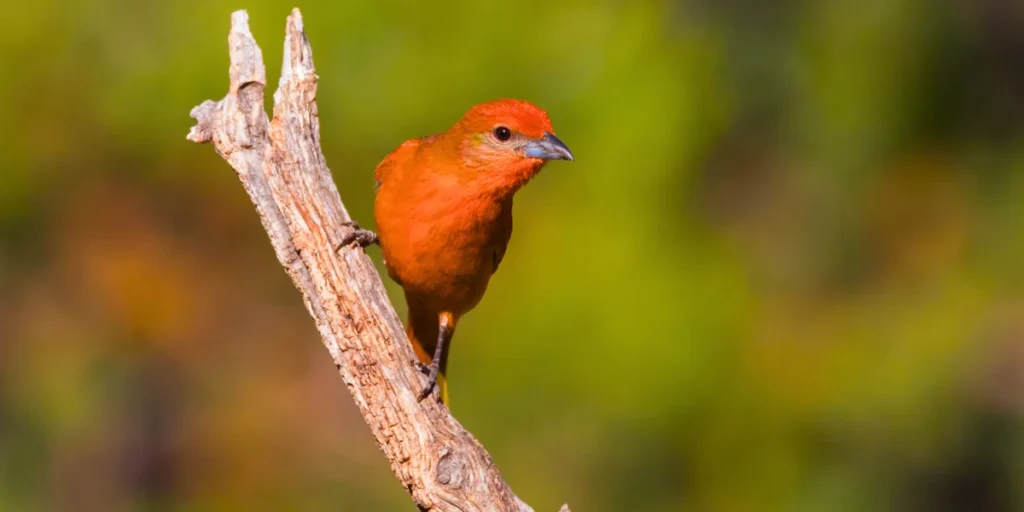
{"x": 506, "y": 142}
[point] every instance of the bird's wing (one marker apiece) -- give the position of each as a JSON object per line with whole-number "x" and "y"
{"x": 403, "y": 153}
{"x": 504, "y": 234}
{"x": 499, "y": 254}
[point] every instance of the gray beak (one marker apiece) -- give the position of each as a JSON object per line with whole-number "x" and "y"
{"x": 548, "y": 148}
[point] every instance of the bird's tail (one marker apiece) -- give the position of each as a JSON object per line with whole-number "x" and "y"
{"x": 422, "y": 329}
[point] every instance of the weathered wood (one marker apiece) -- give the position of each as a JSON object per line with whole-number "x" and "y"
{"x": 281, "y": 166}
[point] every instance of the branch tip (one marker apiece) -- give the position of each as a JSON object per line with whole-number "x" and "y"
{"x": 295, "y": 18}
{"x": 246, "y": 56}
{"x": 203, "y": 130}
{"x": 240, "y": 21}
{"x": 297, "y": 63}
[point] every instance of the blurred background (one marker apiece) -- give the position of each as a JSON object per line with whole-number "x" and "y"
{"x": 785, "y": 273}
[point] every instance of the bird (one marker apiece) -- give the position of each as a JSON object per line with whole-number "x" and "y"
{"x": 443, "y": 213}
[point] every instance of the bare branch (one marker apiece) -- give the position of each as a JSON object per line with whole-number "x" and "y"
{"x": 283, "y": 170}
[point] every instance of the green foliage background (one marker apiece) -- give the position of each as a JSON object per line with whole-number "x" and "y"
{"x": 784, "y": 274}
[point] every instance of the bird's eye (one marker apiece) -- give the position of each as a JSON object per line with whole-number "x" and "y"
{"x": 502, "y": 133}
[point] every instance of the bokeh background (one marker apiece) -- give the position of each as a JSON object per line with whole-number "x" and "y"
{"x": 785, "y": 273}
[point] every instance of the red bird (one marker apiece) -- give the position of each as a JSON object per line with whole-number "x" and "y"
{"x": 444, "y": 216}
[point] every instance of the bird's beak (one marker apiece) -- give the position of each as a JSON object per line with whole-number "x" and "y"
{"x": 548, "y": 148}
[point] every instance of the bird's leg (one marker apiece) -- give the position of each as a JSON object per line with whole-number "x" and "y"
{"x": 445, "y": 328}
{"x": 364, "y": 237}
{"x": 424, "y": 369}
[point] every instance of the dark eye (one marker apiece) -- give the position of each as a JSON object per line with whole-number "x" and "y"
{"x": 502, "y": 133}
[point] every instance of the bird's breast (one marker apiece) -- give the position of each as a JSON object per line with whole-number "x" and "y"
{"x": 443, "y": 247}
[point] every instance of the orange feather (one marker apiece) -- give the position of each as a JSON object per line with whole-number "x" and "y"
{"x": 444, "y": 213}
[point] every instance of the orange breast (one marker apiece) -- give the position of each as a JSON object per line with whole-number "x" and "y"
{"x": 441, "y": 242}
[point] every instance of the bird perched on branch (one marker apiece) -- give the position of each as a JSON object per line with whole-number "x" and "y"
{"x": 444, "y": 216}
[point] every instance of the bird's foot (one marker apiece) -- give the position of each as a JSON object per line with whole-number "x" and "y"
{"x": 431, "y": 370}
{"x": 364, "y": 237}
{"x": 423, "y": 368}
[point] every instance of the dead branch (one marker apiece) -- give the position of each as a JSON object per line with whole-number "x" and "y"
{"x": 282, "y": 168}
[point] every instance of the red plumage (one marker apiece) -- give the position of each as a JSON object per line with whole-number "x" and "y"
{"x": 444, "y": 214}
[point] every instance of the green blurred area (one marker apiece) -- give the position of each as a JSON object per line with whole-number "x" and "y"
{"x": 785, "y": 272}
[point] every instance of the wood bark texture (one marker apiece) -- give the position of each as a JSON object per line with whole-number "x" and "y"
{"x": 281, "y": 166}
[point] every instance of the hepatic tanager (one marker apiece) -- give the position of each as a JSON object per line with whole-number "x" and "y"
{"x": 444, "y": 216}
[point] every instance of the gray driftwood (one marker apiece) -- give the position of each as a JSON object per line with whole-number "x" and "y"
{"x": 280, "y": 163}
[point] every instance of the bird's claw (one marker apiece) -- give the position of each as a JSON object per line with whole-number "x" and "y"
{"x": 363, "y": 237}
{"x": 431, "y": 371}
{"x": 424, "y": 369}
